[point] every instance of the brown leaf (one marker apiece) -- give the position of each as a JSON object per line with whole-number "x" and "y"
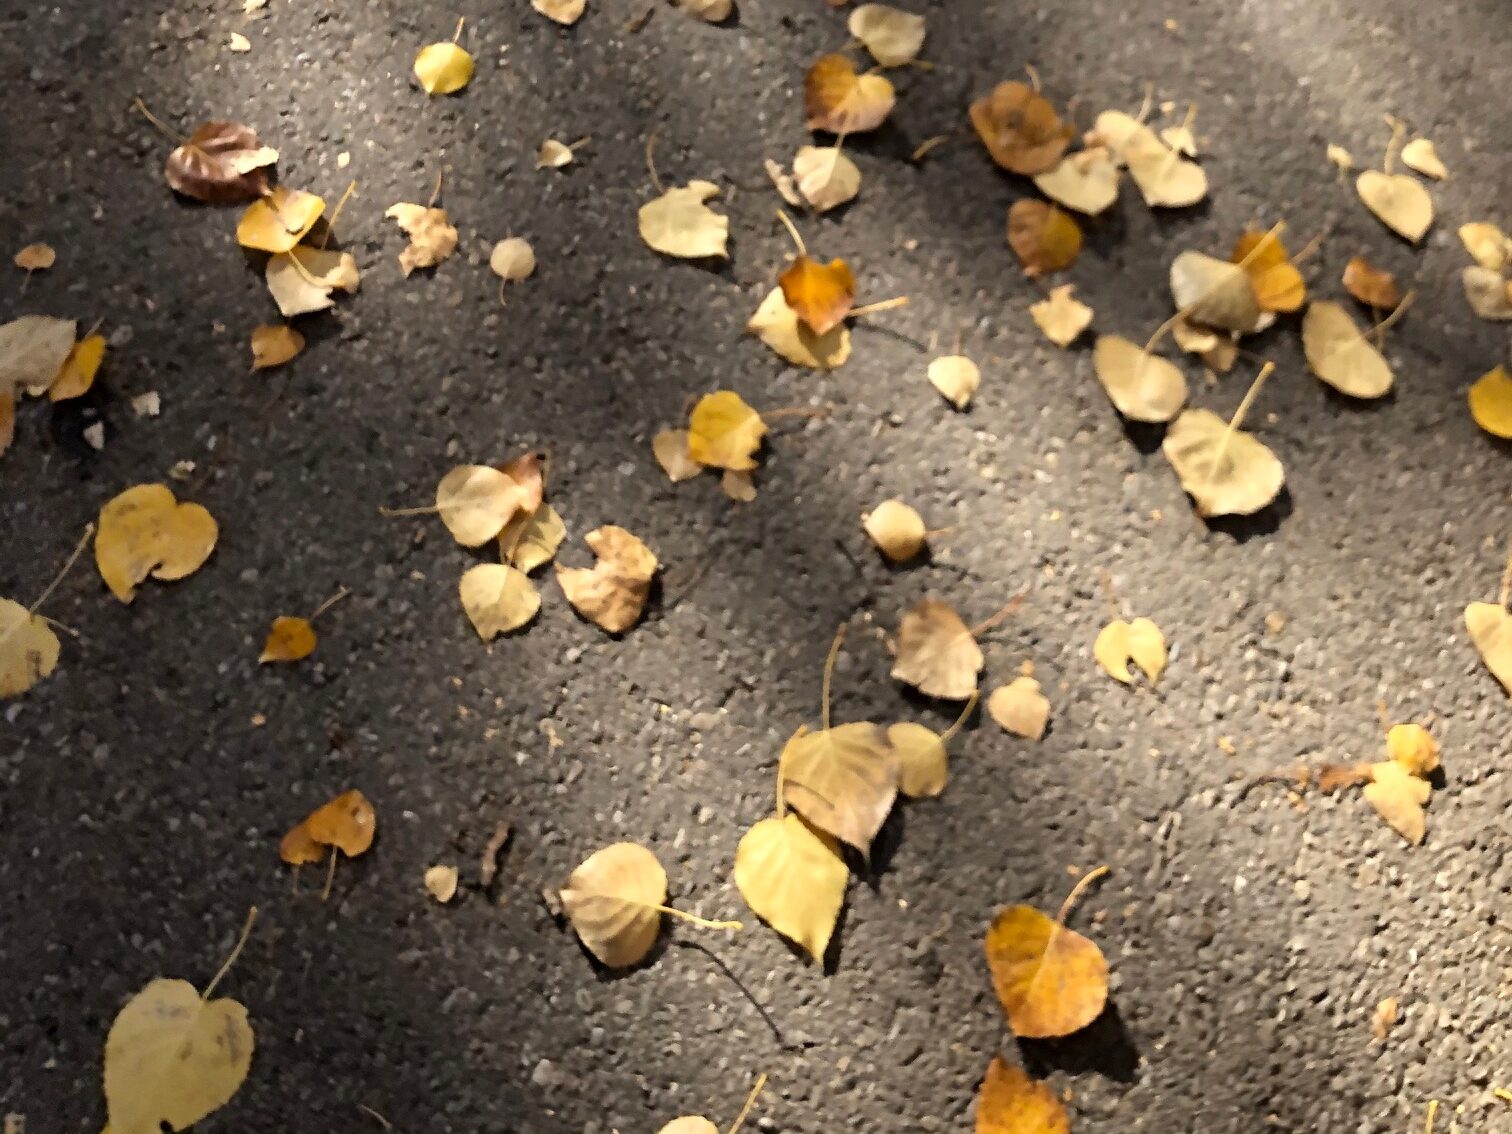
{"x": 1020, "y": 128}
{"x": 528, "y": 471}
{"x": 840, "y": 101}
{"x": 1045, "y": 238}
{"x": 222, "y": 163}
{"x": 1012, "y": 1103}
{"x": 614, "y": 591}
{"x": 289, "y": 639}
{"x": 1337, "y": 777}
{"x": 1373, "y": 286}
{"x": 821, "y": 295}
{"x": 1277, "y": 284}
{"x": 346, "y": 822}
{"x": 936, "y": 653}
{"x": 36, "y": 257}
{"x": 7, "y": 419}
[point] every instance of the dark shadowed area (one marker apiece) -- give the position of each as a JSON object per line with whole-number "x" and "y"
{"x": 144, "y": 786}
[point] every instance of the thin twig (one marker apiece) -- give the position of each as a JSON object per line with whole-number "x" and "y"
{"x": 1080, "y": 888}
{"x": 158, "y": 122}
{"x": 68, "y": 566}
{"x": 235, "y": 953}
{"x": 330, "y": 602}
{"x": 793, "y": 232}
{"x": 749, "y": 1103}
{"x": 1008, "y": 608}
{"x": 650, "y": 164}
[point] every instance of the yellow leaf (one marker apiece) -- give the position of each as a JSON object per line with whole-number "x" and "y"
{"x": 1086, "y": 181}
{"x": 1050, "y": 980}
{"x": 564, "y": 12}
{"x": 33, "y": 349}
{"x": 289, "y": 640}
{"x": 279, "y": 221}
{"x": 1399, "y": 202}
{"x": 1142, "y": 387}
{"x": 1020, "y": 708}
{"x": 936, "y": 653}
{"x": 670, "y": 447}
{"x": 778, "y": 325}
{"x": 36, "y": 257}
{"x": 498, "y": 598}
{"x": 956, "y": 377}
{"x": 441, "y": 883}
{"x": 1488, "y": 293}
{"x": 1491, "y": 402}
{"x": 1226, "y": 471}
{"x": 173, "y": 1057}
{"x": 724, "y": 432}
{"x": 346, "y": 822}
{"x": 28, "y": 648}
{"x": 826, "y": 177}
{"x": 843, "y": 780}
{"x": 443, "y": 68}
{"x": 839, "y": 101}
{"x": 1012, "y": 1103}
{"x": 1277, "y": 284}
{"x": 614, "y": 902}
{"x": 614, "y": 591}
{"x": 1214, "y": 292}
{"x": 1413, "y": 747}
{"x": 678, "y": 223}
{"x": 1399, "y": 797}
{"x": 923, "y": 759}
{"x": 531, "y": 539}
{"x": 1045, "y": 238}
{"x": 1420, "y": 156}
{"x": 896, "y": 529}
{"x": 793, "y": 878}
{"x": 1488, "y": 245}
{"x": 512, "y": 260}
{"x": 145, "y": 531}
{"x": 1339, "y": 353}
{"x": 1062, "y": 317}
{"x": 894, "y": 37}
{"x": 1490, "y": 628}
{"x": 432, "y": 237}
{"x": 476, "y": 501}
{"x": 1119, "y": 642}
{"x": 821, "y": 295}
{"x": 275, "y": 345}
{"x": 78, "y": 371}
{"x": 1020, "y": 128}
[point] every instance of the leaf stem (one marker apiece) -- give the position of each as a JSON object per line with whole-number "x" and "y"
{"x": 949, "y": 734}
{"x": 1506, "y": 582}
{"x": 325, "y": 894}
{"x": 651, "y": 164}
{"x": 1080, "y": 888}
{"x": 1398, "y": 132}
{"x": 436, "y": 192}
{"x": 749, "y": 1103}
{"x": 694, "y": 918}
{"x": 1397, "y": 312}
{"x": 330, "y": 227}
{"x": 67, "y": 567}
{"x": 829, "y": 670}
{"x": 880, "y": 306}
{"x": 457, "y": 35}
{"x": 793, "y": 232}
{"x": 235, "y": 953}
{"x": 422, "y": 510}
{"x": 1010, "y": 607}
{"x": 1234, "y": 422}
{"x": 330, "y": 602}
{"x": 158, "y": 122}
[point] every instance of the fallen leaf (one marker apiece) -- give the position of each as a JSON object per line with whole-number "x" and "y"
{"x": 530, "y": 540}
{"x": 711, "y": 12}
{"x": 443, "y": 68}
{"x": 528, "y": 471}
{"x": 346, "y": 822}
{"x": 498, "y": 598}
{"x": 77, "y": 374}
{"x": 564, "y": 12}
{"x": 1277, "y": 284}
{"x": 238, "y": 43}
{"x": 1062, "y": 317}
{"x": 1086, "y": 181}
{"x": 222, "y": 163}
{"x": 1489, "y": 295}
{"x": 145, "y": 531}
{"x": 826, "y": 177}
{"x": 1399, "y": 798}
{"x": 957, "y": 379}
{"x": 896, "y": 529}
{"x": 33, "y": 349}
{"x": 1140, "y": 641}
{"x": 1012, "y": 1103}
{"x": 1339, "y": 353}
{"x": 1180, "y": 139}
{"x": 614, "y": 901}
{"x": 512, "y": 260}
{"x": 724, "y": 432}
{"x": 778, "y": 326}
{"x": 1399, "y": 202}
{"x": 553, "y": 155}
{"x": 936, "y": 652}
{"x": 94, "y": 436}
{"x": 275, "y": 345}
{"x": 1420, "y": 156}
{"x": 1491, "y": 402}
{"x": 1384, "y": 1018}
{"x": 173, "y": 1057}
{"x": 670, "y": 448}
{"x": 894, "y": 37}
{"x": 923, "y": 756}
{"x": 147, "y": 405}
{"x": 821, "y": 295}
{"x": 1337, "y": 777}
{"x": 279, "y": 221}
{"x": 302, "y": 279}
{"x": 1142, "y": 387}
{"x": 1020, "y": 128}
{"x": 793, "y": 878}
{"x": 783, "y": 182}
{"x": 1488, "y": 245}
{"x": 1165, "y": 178}
{"x": 1372, "y": 286}
{"x": 1051, "y": 980}
{"x": 289, "y": 640}
{"x": 432, "y": 237}
{"x": 738, "y": 485}
{"x": 36, "y": 257}
{"x": 1045, "y": 238}
{"x": 28, "y": 648}
{"x": 614, "y": 591}
{"x": 1413, "y": 747}
{"x": 843, "y": 780}
{"x": 678, "y": 223}
{"x": 1226, "y": 471}
{"x": 1020, "y": 707}
{"x": 1490, "y": 628}
{"x": 441, "y": 883}
{"x": 476, "y": 501}
{"x": 1214, "y": 292}
{"x": 839, "y": 101}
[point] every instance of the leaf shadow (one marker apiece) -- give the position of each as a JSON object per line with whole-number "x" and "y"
{"x": 1104, "y": 1046}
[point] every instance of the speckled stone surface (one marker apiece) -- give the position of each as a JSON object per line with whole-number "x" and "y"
{"x": 1249, "y": 939}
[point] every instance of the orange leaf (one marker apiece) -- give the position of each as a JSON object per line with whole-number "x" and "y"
{"x": 290, "y": 639}
{"x": 7, "y": 419}
{"x": 1045, "y": 238}
{"x": 1012, "y": 1103}
{"x": 1274, "y": 279}
{"x": 1051, "y": 981}
{"x": 78, "y": 372}
{"x": 1020, "y": 129}
{"x": 840, "y": 101}
{"x": 822, "y": 295}
{"x": 346, "y": 822}
{"x": 1372, "y": 286}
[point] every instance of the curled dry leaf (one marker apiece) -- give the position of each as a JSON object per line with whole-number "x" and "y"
{"x": 289, "y": 640}
{"x": 738, "y": 485}
{"x": 614, "y": 591}
{"x": 1086, "y": 181}
{"x": 826, "y": 177}
{"x": 1020, "y": 707}
{"x": 1339, "y": 353}
{"x": 1214, "y": 292}
{"x": 431, "y": 235}
{"x": 1490, "y": 628}
{"x": 441, "y": 883}
{"x": 302, "y": 279}
{"x": 937, "y": 654}
{"x": 275, "y": 345}
{"x": 724, "y": 432}
{"x": 1142, "y": 387}
{"x": 670, "y": 448}
{"x": 347, "y": 822}
{"x": 530, "y": 540}
{"x": 1399, "y": 202}
{"x": 36, "y": 257}
{"x": 678, "y": 223}
{"x": 28, "y": 648}
{"x": 783, "y": 182}
{"x": 1413, "y": 747}
{"x": 896, "y": 529}
{"x": 498, "y": 598}
{"x": 1488, "y": 245}
{"x": 894, "y": 37}
{"x": 793, "y": 878}
{"x": 777, "y": 324}
{"x": 1399, "y": 797}
{"x": 1061, "y": 316}
{"x": 443, "y": 68}
{"x": 564, "y": 12}
{"x": 1020, "y": 128}
{"x": 1384, "y": 1018}
{"x": 710, "y": 11}
{"x": 843, "y": 780}
{"x": 222, "y": 163}
{"x": 33, "y": 350}
{"x": 840, "y": 101}
{"x": 1491, "y": 403}
{"x": 1050, "y": 980}
{"x": 1372, "y": 286}
{"x": 1140, "y": 641}
{"x": 1420, "y": 156}
{"x": 145, "y": 531}
{"x": 1277, "y": 284}
{"x": 553, "y": 155}
{"x": 1012, "y": 1103}
{"x": 956, "y": 377}
{"x": 279, "y": 220}
{"x": 476, "y": 501}
{"x": 512, "y": 260}
{"x": 1045, "y": 238}
{"x": 1165, "y": 178}
{"x": 821, "y": 295}
{"x": 1488, "y": 293}
{"x": 1225, "y": 470}
{"x": 614, "y": 901}
{"x": 77, "y": 374}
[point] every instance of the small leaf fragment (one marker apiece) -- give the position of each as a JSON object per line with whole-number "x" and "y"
{"x": 1045, "y": 238}
{"x": 1140, "y": 641}
{"x": 1490, "y": 628}
{"x": 1062, "y": 317}
{"x": 1399, "y": 798}
{"x": 554, "y": 155}
{"x": 1421, "y": 156}
{"x": 738, "y": 484}
{"x": 530, "y": 540}
{"x": 679, "y": 223}
{"x": 1398, "y": 201}
{"x": 443, "y": 68}
{"x": 275, "y": 345}
{"x": 612, "y": 593}
{"x": 956, "y": 377}
{"x": 145, "y": 531}
{"x": 670, "y": 448}
{"x": 1413, "y": 747}
{"x": 289, "y": 640}
{"x": 1142, "y": 387}
{"x": 709, "y": 11}
{"x": 431, "y": 235}
{"x": 894, "y": 37}
{"x": 1050, "y": 980}
{"x": 36, "y": 257}
{"x": 1488, "y": 293}
{"x": 793, "y": 878}
{"x": 564, "y": 12}
{"x": 1491, "y": 402}
{"x": 839, "y": 101}
{"x": 441, "y": 883}
{"x": 498, "y": 598}
{"x": 1277, "y": 284}
{"x": 897, "y": 530}
{"x": 1488, "y": 245}
{"x": 613, "y": 901}
{"x": 77, "y": 374}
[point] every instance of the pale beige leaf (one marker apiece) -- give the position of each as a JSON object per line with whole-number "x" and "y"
{"x": 670, "y": 448}
{"x": 613, "y": 901}
{"x": 956, "y": 377}
{"x": 738, "y": 484}
{"x": 1488, "y": 293}
{"x": 512, "y": 259}
{"x": 894, "y": 37}
{"x": 564, "y": 12}
{"x": 897, "y": 530}
{"x": 1086, "y": 181}
{"x": 825, "y": 176}
{"x": 1339, "y": 353}
{"x": 1227, "y": 472}
{"x": 476, "y": 501}
{"x": 1398, "y": 201}
{"x": 1488, "y": 245}
{"x": 28, "y": 648}
{"x": 1061, "y": 316}
{"x": 936, "y": 653}
{"x": 1021, "y": 708}
{"x": 843, "y": 780}
{"x": 554, "y": 155}
{"x": 498, "y": 598}
{"x": 1139, "y": 641}
{"x": 712, "y": 12}
{"x": 778, "y": 325}
{"x": 1164, "y": 177}
{"x": 1143, "y": 387}
{"x": 678, "y": 223}
{"x": 689, "y": 1124}
{"x": 1340, "y": 157}
{"x": 1214, "y": 292}
{"x": 1490, "y": 628}
{"x": 783, "y": 182}
{"x": 33, "y": 349}
{"x": 305, "y": 286}
{"x": 1181, "y": 139}
{"x": 530, "y": 539}
{"x": 1420, "y": 156}
{"x": 794, "y": 879}
{"x": 441, "y": 883}
{"x": 432, "y": 237}
{"x": 614, "y": 591}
